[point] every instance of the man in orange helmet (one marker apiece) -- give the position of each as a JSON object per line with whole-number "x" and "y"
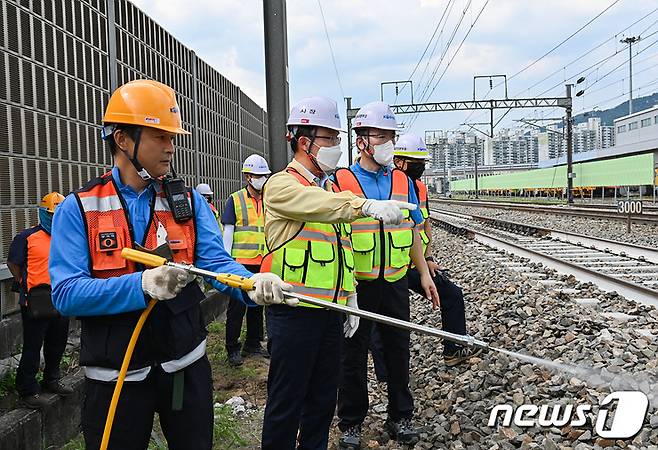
{"x": 42, "y": 324}
{"x": 138, "y": 205}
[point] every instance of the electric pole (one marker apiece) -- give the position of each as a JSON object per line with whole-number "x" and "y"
{"x": 276, "y": 80}
{"x": 569, "y": 124}
{"x": 630, "y": 41}
{"x": 348, "y": 102}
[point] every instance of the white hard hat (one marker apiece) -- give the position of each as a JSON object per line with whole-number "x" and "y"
{"x": 411, "y": 146}
{"x": 204, "y": 189}
{"x": 375, "y": 115}
{"x": 256, "y": 164}
{"x": 315, "y": 111}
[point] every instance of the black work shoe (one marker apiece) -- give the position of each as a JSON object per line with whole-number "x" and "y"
{"x": 402, "y": 431}
{"x": 257, "y": 350}
{"x": 34, "y": 401}
{"x": 351, "y": 439}
{"x": 460, "y": 355}
{"x": 57, "y": 387}
{"x": 234, "y": 359}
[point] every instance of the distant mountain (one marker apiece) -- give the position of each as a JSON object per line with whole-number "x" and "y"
{"x": 609, "y": 115}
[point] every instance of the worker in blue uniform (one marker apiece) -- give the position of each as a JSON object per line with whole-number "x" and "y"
{"x": 128, "y": 207}
{"x": 382, "y": 255}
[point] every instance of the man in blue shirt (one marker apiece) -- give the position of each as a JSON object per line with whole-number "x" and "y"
{"x": 381, "y": 254}
{"x": 127, "y": 207}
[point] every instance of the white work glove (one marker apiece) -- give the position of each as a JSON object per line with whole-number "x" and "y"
{"x": 351, "y": 322}
{"x": 165, "y": 282}
{"x": 388, "y": 211}
{"x": 268, "y": 290}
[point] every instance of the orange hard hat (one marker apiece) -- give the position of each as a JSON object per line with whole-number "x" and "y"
{"x": 145, "y": 103}
{"x": 50, "y": 201}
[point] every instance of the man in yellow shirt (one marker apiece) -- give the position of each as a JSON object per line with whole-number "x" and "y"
{"x": 308, "y": 236}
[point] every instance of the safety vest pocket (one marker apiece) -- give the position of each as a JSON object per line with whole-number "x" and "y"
{"x": 178, "y": 242}
{"x": 322, "y": 252}
{"x": 108, "y": 243}
{"x": 294, "y": 262}
{"x": 363, "y": 242}
{"x": 400, "y": 243}
{"x": 320, "y": 271}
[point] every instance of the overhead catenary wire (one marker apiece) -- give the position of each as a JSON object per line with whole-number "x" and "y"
{"x": 438, "y": 64}
{"x": 429, "y": 43}
{"x": 331, "y": 50}
{"x": 588, "y": 52}
{"x": 456, "y": 52}
{"x": 603, "y": 102}
{"x": 533, "y": 63}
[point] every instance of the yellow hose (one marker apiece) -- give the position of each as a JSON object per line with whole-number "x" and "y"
{"x": 122, "y": 373}
{"x": 153, "y": 261}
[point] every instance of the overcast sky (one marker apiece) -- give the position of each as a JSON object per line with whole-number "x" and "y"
{"x": 377, "y": 41}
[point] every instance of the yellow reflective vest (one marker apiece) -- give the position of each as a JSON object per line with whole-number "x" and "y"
{"x": 317, "y": 261}
{"x": 249, "y": 235}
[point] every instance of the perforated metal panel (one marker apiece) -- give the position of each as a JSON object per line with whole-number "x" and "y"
{"x": 55, "y": 83}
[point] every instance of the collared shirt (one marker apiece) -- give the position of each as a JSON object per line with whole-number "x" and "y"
{"x": 288, "y": 204}
{"x": 77, "y": 293}
{"x": 377, "y": 186}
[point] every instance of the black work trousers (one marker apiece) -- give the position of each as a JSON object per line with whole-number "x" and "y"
{"x": 234, "y": 316}
{"x": 453, "y": 317}
{"x": 389, "y": 299}
{"x": 52, "y": 334}
{"x": 304, "y": 344}
{"x": 186, "y": 423}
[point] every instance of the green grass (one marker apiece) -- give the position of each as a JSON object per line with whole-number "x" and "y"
{"x": 78, "y": 443}
{"x": 8, "y": 383}
{"x": 225, "y": 431}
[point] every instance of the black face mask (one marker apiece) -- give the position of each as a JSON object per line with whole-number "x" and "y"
{"x": 415, "y": 170}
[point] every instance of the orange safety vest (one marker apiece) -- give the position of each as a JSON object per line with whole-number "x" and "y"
{"x": 379, "y": 250}
{"x": 175, "y": 327}
{"x": 38, "y": 249}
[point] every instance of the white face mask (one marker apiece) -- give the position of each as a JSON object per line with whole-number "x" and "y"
{"x": 328, "y": 157}
{"x": 258, "y": 183}
{"x": 383, "y": 154}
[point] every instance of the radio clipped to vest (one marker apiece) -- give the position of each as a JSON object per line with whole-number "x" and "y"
{"x": 176, "y": 192}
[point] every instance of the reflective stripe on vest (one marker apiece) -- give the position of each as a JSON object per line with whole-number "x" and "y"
{"x": 249, "y": 235}
{"x": 424, "y": 210}
{"x": 38, "y": 249}
{"x": 317, "y": 261}
{"x": 108, "y": 231}
{"x": 369, "y": 235}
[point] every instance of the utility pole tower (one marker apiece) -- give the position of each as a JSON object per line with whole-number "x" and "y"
{"x": 630, "y": 41}
{"x": 276, "y": 80}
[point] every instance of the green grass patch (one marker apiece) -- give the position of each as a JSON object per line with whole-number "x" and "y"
{"x": 8, "y": 383}
{"x": 226, "y": 433}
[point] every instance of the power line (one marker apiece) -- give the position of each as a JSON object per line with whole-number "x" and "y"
{"x": 548, "y": 52}
{"x": 620, "y": 95}
{"x": 331, "y": 50}
{"x": 456, "y": 51}
{"x": 563, "y": 41}
{"x": 445, "y": 51}
{"x": 424, "y": 51}
{"x": 443, "y": 54}
{"x": 589, "y": 52}
{"x": 436, "y": 43}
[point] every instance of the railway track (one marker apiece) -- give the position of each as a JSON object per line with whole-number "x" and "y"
{"x": 630, "y": 270}
{"x": 649, "y": 216}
